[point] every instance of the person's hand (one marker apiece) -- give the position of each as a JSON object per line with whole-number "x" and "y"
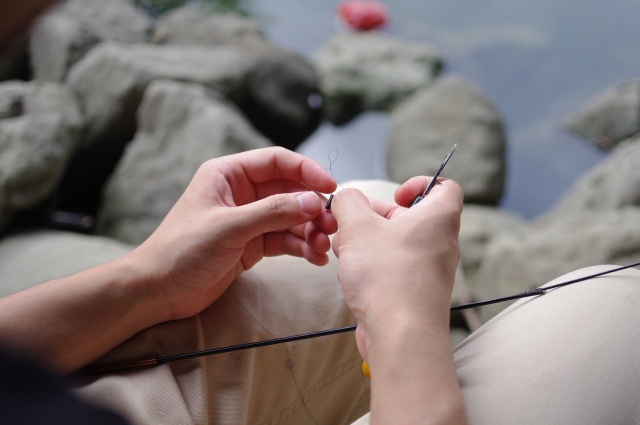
{"x": 237, "y": 210}
{"x": 395, "y": 262}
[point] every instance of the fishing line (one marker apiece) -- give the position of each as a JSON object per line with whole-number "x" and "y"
{"x": 331, "y": 161}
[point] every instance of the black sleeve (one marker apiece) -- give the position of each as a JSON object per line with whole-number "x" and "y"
{"x": 31, "y": 396}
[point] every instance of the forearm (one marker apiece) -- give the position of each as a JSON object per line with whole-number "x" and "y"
{"x": 67, "y": 323}
{"x": 412, "y": 370}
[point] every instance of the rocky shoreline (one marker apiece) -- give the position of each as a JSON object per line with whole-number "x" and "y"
{"x": 121, "y": 109}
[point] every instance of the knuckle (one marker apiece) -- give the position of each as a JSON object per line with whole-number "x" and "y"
{"x": 277, "y": 206}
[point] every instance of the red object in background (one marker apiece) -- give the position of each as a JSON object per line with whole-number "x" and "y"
{"x": 363, "y": 15}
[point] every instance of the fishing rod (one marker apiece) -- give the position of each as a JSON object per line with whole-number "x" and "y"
{"x": 148, "y": 363}
{"x": 153, "y": 362}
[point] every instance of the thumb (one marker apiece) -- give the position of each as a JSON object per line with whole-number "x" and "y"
{"x": 351, "y": 206}
{"x": 275, "y": 212}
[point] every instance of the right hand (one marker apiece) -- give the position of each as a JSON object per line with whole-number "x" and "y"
{"x": 395, "y": 262}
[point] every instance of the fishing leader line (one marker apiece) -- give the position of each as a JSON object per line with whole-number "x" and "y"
{"x": 330, "y": 169}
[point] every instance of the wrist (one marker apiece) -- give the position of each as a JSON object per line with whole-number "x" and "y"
{"x": 413, "y": 375}
{"x": 424, "y": 299}
{"x": 143, "y": 284}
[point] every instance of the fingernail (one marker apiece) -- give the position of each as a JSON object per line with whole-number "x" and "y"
{"x": 309, "y": 202}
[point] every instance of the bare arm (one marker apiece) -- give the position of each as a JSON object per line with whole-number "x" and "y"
{"x": 236, "y": 210}
{"x": 397, "y": 268}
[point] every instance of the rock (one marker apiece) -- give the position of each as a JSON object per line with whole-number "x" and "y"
{"x": 610, "y": 116}
{"x": 39, "y": 128}
{"x": 109, "y": 82}
{"x": 180, "y": 126}
{"x": 29, "y": 257}
{"x": 553, "y": 246}
{"x": 191, "y": 27}
{"x": 478, "y": 227}
{"x": 13, "y": 62}
{"x": 368, "y": 71}
{"x": 612, "y": 184}
{"x": 283, "y": 100}
{"x": 65, "y": 35}
{"x": 429, "y": 123}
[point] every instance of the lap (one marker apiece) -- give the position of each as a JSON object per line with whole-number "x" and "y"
{"x": 311, "y": 381}
{"x": 568, "y": 357}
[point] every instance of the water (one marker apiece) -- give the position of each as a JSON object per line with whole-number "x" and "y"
{"x": 538, "y": 61}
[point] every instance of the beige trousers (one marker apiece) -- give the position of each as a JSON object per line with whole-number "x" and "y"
{"x": 568, "y": 357}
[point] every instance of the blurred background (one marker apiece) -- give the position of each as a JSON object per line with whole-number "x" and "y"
{"x": 108, "y": 108}
{"x": 537, "y": 61}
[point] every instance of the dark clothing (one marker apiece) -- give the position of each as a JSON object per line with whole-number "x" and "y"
{"x": 29, "y": 395}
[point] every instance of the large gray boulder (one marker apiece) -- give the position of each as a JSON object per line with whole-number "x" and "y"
{"x": 110, "y": 81}
{"x": 39, "y": 128}
{"x": 282, "y": 97}
{"x": 612, "y": 184}
{"x": 29, "y": 257}
{"x": 429, "y": 123}
{"x": 368, "y": 71}
{"x": 180, "y": 127}
{"x": 610, "y": 116}
{"x": 528, "y": 258}
{"x": 13, "y": 62}
{"x": 479, "y": 225}
{"x": 189, "y": 26}
{"x": 63, "y": 36}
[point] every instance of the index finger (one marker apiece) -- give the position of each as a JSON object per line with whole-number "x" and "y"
{"x": 261, "y": 165}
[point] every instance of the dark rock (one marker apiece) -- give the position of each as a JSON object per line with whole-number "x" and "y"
{"x": 283, "y": 100}
{"x": 429, "y": 123}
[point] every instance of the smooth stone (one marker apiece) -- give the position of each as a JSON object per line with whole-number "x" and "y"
{"x": 612, "y": 184}
{"x": 479, "y": 225}
{"x": 40, "y": 124}
{"x": 368, "y": 71}
{"x": 29, "y": 257}
{"x": 609, "y": 117}
{"x": 181, "y": 126}
{"x": 552, "y": 246}
{"x": 63, "y": 36}
{"x": 429, "y": 123}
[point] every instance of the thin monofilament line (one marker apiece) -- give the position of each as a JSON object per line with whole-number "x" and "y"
{"x": 331, "y": 161}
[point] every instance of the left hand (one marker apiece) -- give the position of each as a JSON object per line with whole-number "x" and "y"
{"x": 237, "y": 210}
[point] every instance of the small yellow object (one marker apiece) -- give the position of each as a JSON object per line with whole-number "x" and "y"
{"x": 365, "y": 369}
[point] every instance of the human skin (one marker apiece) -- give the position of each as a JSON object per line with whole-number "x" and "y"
{"x": 236, "y": 210}
{"x": 397, "y": 269}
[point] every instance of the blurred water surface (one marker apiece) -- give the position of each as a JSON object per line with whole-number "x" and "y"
{"x": 536, "y": 60}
